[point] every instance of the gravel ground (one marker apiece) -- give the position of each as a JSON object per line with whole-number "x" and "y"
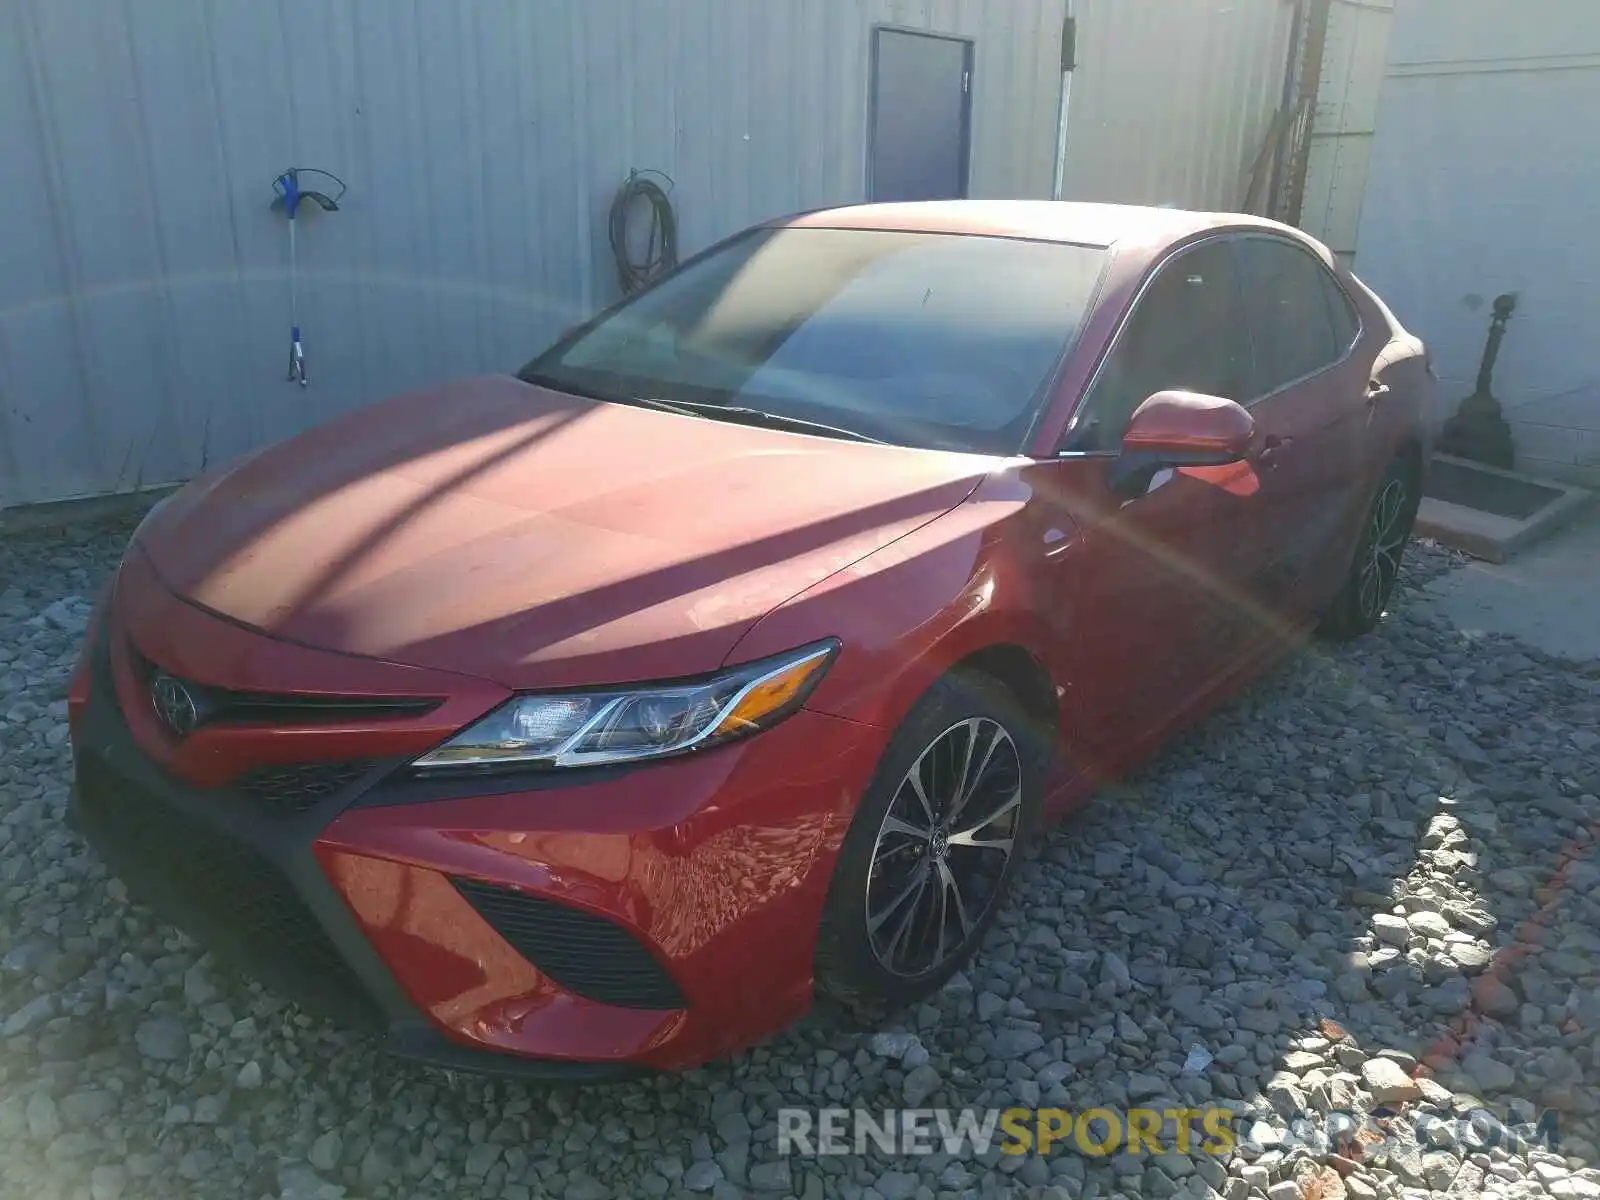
{"x": 1382, "y": 856}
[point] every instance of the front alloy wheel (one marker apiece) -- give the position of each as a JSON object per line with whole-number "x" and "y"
{"x": 943, "y": 847}
{"x": 926, "y": 862}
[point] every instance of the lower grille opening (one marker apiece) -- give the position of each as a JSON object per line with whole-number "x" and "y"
{"x": 233, "y": 899}
{"x": 585, "y": 954}
{"x": 299, "y": 787}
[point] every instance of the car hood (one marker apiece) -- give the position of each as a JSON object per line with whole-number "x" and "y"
{"x": 535, "y": 538}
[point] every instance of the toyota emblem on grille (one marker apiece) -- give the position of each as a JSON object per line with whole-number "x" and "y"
{"x": 174, "y": 704}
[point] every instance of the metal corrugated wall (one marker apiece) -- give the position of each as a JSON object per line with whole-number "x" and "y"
{"x": 1173, "y": 99}
{"x": 1347, "y": 112}
{"x": 1483, "y": 169}
{"x": 143, "y": 298}
{"x": 143, "y": 294}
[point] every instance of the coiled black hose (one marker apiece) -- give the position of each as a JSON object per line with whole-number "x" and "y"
{"x": 661, "y": 246}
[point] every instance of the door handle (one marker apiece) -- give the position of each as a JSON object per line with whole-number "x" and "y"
{"x": 1376, "y": 390}
{"x": 1271, "y": 446}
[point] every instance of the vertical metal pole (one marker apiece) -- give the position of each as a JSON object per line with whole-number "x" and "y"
{"x": 294, "y": 283}
{"x": 1059, "y": 189}
{"x": 1069, "y": 63}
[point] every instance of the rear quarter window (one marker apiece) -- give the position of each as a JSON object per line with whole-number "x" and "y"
{"x": 1341, "y": 310}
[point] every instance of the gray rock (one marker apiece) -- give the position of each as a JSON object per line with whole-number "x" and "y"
{"x": 1114, "y": 973}
{"x": 42, "y": 1116}
{"x": 35, "y": 1012}
{"x": 957, "y": 985}
{"x": 1461, "y": 746}
{"x": 1428, "y": 925}
{"x": 1145, "y": 1087}
{"x": 1470, "y": 956}
{"x": 771, "y": 1176}
{"x": 1258, "y": 1020}
{"x": 734, "y": 1128}
{"x": 1351, "y": 987}
{"x": 198, "y": 989}
{"x": 1388, "y": 1081}
{"x": 1281, "y": 933}
{"x": 297, "y": 1181}
{"x": 702, "y": 1176}
{"x": 1476, "y": 920}
{"x": 896, "y": 1185}
{"x": 379, "y": 1165}
{"x": 88, "y": 1108}
{"x": 481, "y": 1157}
{"x": 892, "y": 1045}
{"x": 108, "y": 1182}
{"x": 1450, "y": 997}
{"x": 1390, "y": 929}
{"x": 164, "y": 1039}
{"x": 920, "y": 1083}
{"x": 1439, "y": 1169}
{"x": 1489, "y": 1074}
{"x": 1016, "y": 1043}
{"x": 326, "y": 1152}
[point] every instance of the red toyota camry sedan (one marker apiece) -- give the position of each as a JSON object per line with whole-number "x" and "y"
{"x": 601, "y": 716}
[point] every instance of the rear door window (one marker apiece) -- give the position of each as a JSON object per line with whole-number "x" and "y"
{"x": 1291, "y": 322}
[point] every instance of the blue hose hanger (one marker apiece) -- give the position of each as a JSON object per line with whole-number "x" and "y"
{"x": 288, "y": 196}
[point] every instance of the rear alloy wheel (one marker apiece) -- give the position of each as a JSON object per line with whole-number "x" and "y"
{"x": 928, "y": 858}
{"x": 1368, "y": 588}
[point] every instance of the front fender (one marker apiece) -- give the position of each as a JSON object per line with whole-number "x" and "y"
{"x": 907, "y": 613}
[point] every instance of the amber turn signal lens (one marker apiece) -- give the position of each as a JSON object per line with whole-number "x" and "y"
{"x": 772, "y": 695}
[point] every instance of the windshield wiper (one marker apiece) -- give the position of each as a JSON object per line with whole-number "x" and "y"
{"x": 760, "y": 416}
{"x": 540, "y": 379}
{"x": 699, "y": 408}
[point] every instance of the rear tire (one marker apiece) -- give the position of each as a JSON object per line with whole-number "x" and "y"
{"x": 930, "y": 855}
{"x": 1369, "y": 586}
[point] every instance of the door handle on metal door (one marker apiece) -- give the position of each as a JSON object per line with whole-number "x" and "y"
{"x": 1376, "y": 390}
{"x": 1271, "y": 445}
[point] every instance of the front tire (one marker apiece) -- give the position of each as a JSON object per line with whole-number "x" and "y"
{"x": 1368, "y": 587}
{"x": 930, "y": 855}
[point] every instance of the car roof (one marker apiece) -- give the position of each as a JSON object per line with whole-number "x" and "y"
{"x": 1040, "y": 220}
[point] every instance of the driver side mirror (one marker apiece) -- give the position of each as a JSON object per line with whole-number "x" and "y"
{"x": 1179, "y": 429}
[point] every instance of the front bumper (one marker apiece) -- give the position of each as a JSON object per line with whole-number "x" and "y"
{"x": 571, "y": 928}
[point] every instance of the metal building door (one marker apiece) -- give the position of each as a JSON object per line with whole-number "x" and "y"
{"x": 921, "y": 116}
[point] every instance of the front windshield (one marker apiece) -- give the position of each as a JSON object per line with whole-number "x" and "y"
{"x": 921, "y": 339}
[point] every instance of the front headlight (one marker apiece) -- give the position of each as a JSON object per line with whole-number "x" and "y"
{"x": 583, "y": 729}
